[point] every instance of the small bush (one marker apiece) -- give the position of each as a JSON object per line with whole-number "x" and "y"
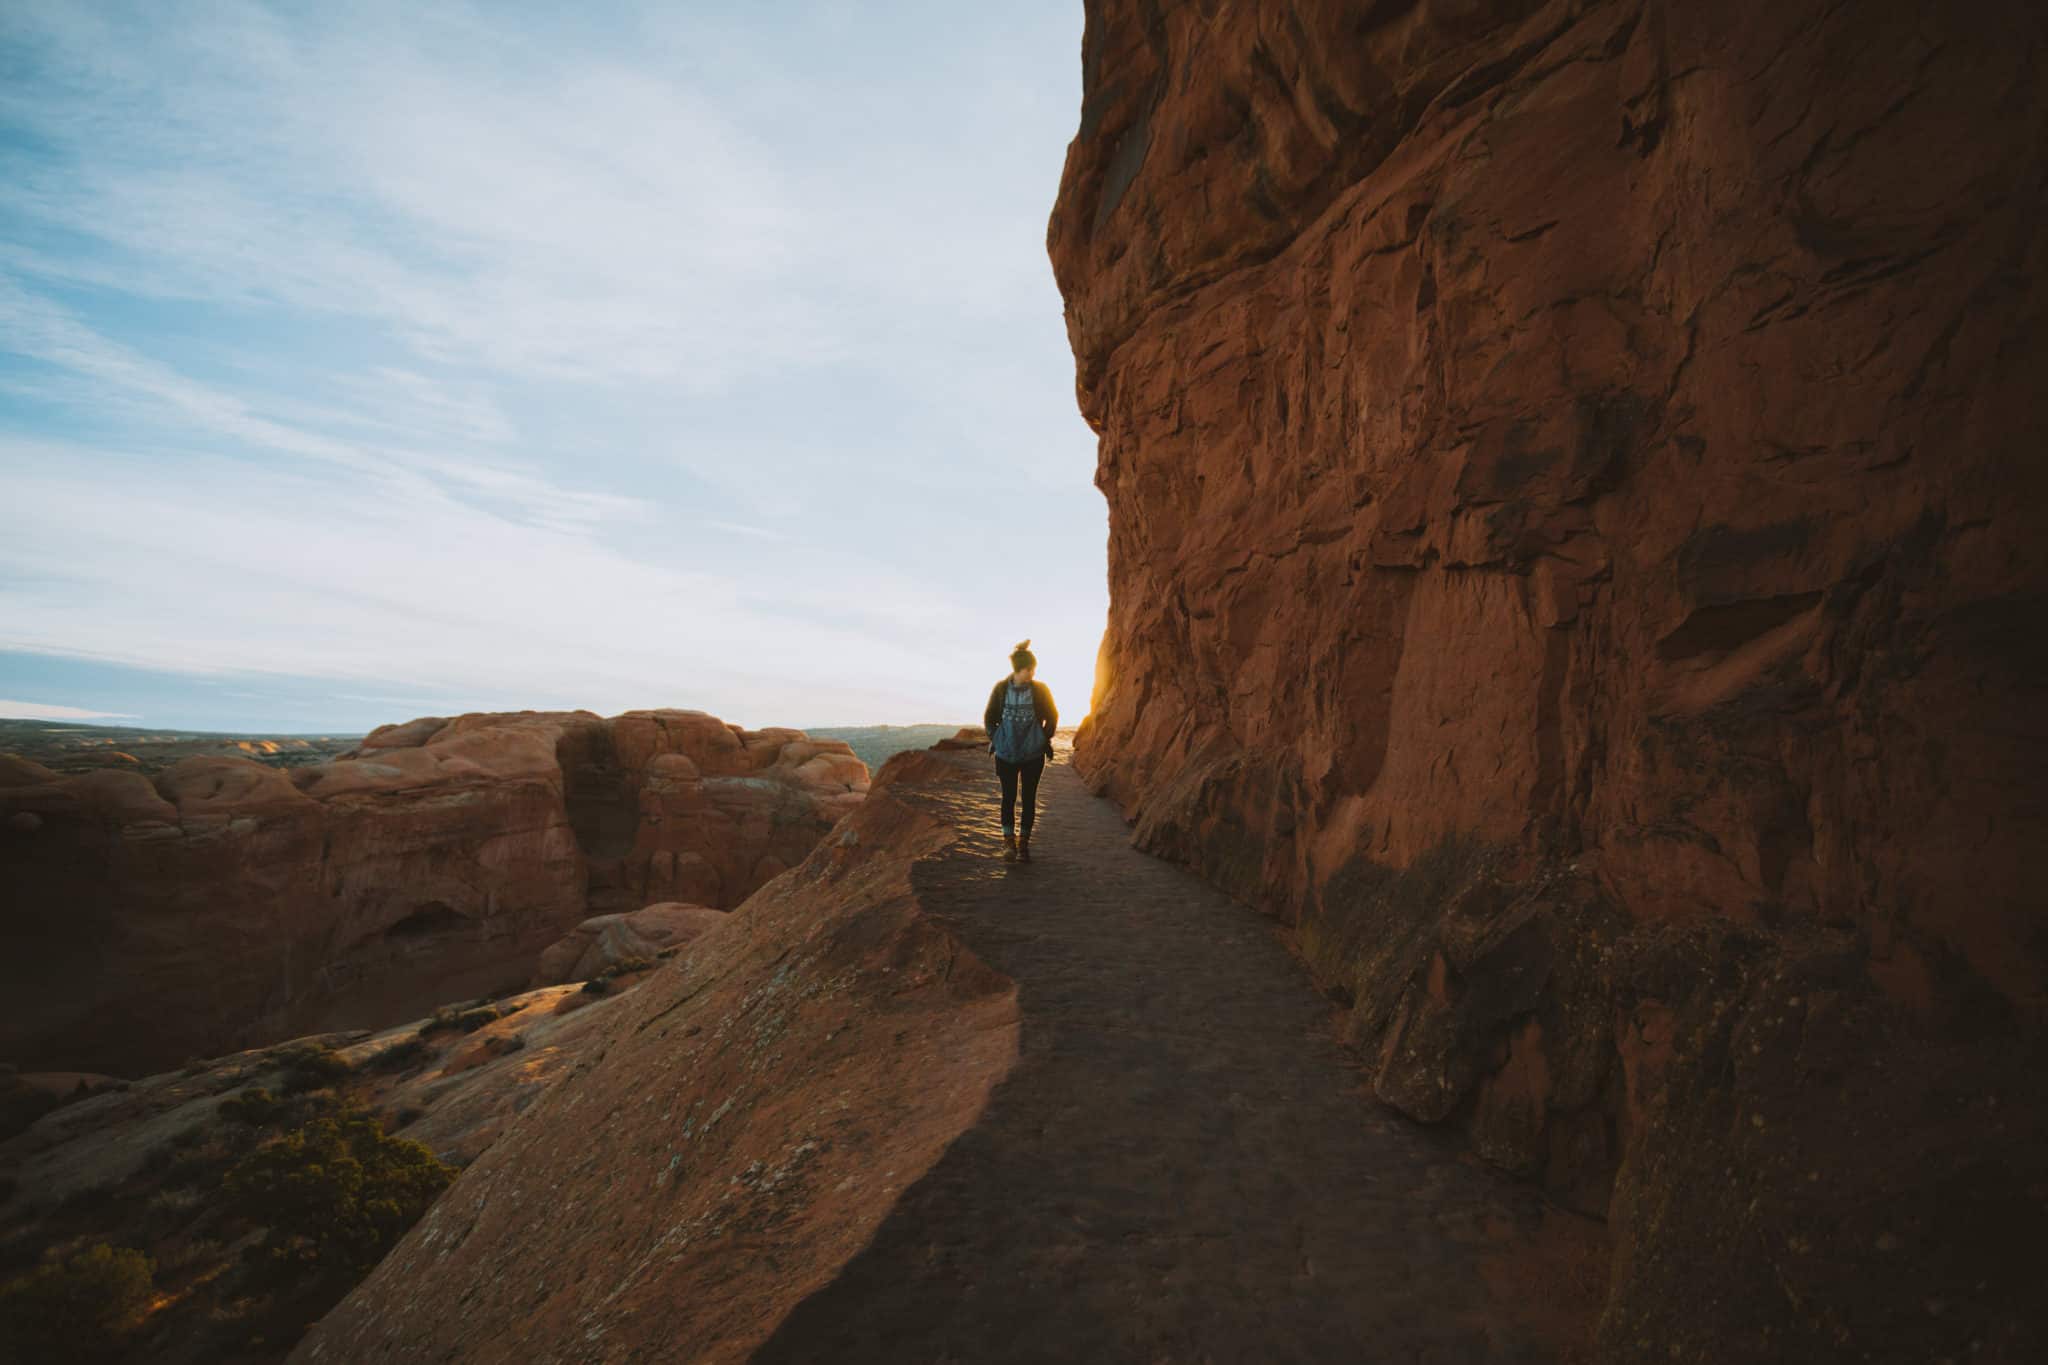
{"x": 403, "y": 1055}
{"x": 462, "y": 1021}
{"x": 256, "y": 1107}
{"x": 190, "y": 1253}
{"x": 601, "y": 984}
{"x": 78, "y": 1309}
{"x": 172, "y": 1204}
{"x": 338, "y": 1190}
{"x": 310, "y": 1066}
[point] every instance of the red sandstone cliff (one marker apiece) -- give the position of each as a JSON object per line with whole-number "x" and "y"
{"x": 1577, "y": 554}
{"x": 225, "y": 903}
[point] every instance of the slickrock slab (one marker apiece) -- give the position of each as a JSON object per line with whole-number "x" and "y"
{"x": 912, "y": 1104}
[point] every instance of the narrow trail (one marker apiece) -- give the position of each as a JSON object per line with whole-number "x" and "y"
{"x": 1182, "y": 1167}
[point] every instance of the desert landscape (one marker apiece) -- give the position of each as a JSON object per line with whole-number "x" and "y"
{"x": 1549, "y": 871}
{"x": 80, "y": 747}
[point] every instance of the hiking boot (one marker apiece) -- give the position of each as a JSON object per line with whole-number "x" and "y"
{"x": 1024, "y": 848}
{"x": 1009, "y": 847}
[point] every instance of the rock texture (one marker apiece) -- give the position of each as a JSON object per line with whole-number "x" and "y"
{"x": 147, "y": 1165}
{"x": 603, "y": 942}
{"x": 225, "y": 902}
{"x": 451, "y": 1088}
{"x": 1577, "y": 557}
{"x": 754, "y": 1110}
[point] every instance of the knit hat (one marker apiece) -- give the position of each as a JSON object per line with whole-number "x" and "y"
{"x": 1022, "y": 657}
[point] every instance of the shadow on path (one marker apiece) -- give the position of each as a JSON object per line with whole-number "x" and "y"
{"x": 1182, "y": 1167}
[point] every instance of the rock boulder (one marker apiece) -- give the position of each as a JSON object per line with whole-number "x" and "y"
{"x": 604, "y": 941}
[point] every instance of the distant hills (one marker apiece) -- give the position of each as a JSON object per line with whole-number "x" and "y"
{"x": 876, "y": 744}
{"x": 70, "y": 746}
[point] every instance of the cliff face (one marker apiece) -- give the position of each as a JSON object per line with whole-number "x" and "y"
{"x": 225, "y": 903}
{"x": 1576, "y": 555}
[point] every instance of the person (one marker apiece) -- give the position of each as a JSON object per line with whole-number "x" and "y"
{"x": 1020, "y": 720}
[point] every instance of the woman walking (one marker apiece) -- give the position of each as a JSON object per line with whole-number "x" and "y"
{"x": 1020, "y": 721}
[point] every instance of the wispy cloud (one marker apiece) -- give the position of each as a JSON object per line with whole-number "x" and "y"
{"x": 491, "y": 200}
{"x": 444, "y": 347}
{"x": 738, "y": 529}
{"x": 35, "y": 710}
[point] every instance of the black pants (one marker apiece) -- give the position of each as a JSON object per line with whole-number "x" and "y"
{"x": 1007, "y": 774}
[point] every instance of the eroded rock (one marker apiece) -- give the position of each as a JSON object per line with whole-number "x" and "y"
{"x": 227, "y": 902}
{"x": 1571, "y": 481}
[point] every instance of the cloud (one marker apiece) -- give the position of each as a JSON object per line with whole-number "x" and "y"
{"x": 490, "y": 200}
{"x": 213, "y": 565}
{"x": 660, "y": 352}
{"x": 759, "y": 532}
{"x": 35, "y": 710}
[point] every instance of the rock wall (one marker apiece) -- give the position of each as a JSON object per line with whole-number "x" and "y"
{"x": 1577, "y": 556}
{"x": 225, "y": 903}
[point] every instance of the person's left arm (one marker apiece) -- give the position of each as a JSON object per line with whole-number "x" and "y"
{"x": 1050, "y": 720}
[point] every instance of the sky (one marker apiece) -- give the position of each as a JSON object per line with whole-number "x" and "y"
{"x": 361, "y": 361}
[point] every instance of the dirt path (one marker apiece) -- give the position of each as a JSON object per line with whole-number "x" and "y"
{"x": 1183, "y": 1167}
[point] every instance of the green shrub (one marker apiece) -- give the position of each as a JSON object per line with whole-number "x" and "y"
{"x": 338, "y": 1190}
{"x": 403, "y": 1055}
{"x": 78, "y": 1309}
{"x": 255, "y": 1107}
{"x": 462, "y": 1021}
{"x": 601, "y": 984}
{"x": 309, "y": 1066}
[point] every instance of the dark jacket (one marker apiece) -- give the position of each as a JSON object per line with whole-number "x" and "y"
{"x": 1041, "y": 704}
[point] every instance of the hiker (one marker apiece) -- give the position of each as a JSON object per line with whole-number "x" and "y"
{"x": 1020, "y": 721}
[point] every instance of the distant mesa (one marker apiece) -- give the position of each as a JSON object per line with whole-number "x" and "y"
{"x": 74, "y": 747}
{"x": 224, "y": 902}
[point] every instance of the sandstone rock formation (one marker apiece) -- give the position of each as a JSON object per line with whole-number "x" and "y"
{"x": 753, "y": 1112}
{"x": 225, "y": 902}
{"x": 147, "y": 1164}
{"x": 603, "y": 942}
{"x": 425, "y": 1078}
{"x": 1577, "y": 556}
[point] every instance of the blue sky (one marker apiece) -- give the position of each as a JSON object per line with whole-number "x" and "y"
{"x": 360, "y": 361}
